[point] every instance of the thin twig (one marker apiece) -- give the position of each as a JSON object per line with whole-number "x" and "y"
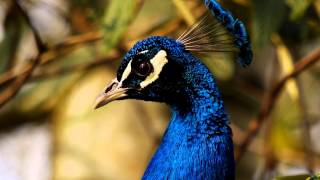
{"x": 269, "y": 158}
{"x": 287, "y": 155}
{"x": 268, "y": 104}
{"x": 79, "y": 39}
{"x": 53, "y": 53}
{"x": 11, "y": 91}
{"x": 81, "y": 67}
{"x": 309, "y": 153}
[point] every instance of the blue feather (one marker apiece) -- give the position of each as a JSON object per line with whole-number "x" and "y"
{"x": 198, "y": 141}
{"x": 235, "y": 27}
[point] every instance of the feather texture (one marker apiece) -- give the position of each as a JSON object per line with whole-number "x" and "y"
{"x": 198, "y": 141}
{"x": 218, "y": 31}
{"x": 208, "y": 35}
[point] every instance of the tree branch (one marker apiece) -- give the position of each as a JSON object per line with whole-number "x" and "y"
{"x": 268, "y": 104}
{"x": 53, "y": 53}
{"x": 11, "y": 91}
{"x": 81, "y": 67}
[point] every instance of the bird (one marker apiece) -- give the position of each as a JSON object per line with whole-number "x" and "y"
{"x": 197, "y": 143}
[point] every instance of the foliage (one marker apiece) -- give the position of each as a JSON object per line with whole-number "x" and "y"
{"x": 89, "y": 37}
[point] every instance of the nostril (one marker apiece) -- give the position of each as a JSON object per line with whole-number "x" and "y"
{"x": 111, "y": 87}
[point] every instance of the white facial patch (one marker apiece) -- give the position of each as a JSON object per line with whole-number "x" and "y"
{"x": 158, "y": 61}
{"x": 126, "y": 72}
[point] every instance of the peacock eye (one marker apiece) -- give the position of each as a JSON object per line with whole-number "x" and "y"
{"x": 141, "y": 67}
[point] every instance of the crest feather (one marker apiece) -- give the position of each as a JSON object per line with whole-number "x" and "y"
{"x": 218, "y": 31}
{"x": 208, "y": 35}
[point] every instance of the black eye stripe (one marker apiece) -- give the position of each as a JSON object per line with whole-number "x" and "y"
{"x": 140, "y": 57}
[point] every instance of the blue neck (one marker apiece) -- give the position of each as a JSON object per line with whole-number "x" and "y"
{"x": 197, "y": 143}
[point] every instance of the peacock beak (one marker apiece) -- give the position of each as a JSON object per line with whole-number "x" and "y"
{"x": 112, "y": 92}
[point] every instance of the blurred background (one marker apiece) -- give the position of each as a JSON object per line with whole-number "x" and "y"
{"x": 56, "y": 56}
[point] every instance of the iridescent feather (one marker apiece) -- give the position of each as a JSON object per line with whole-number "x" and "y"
{"x": 218, "y": 31}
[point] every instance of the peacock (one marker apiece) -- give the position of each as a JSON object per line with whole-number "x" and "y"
{"x": 197, "y": 143}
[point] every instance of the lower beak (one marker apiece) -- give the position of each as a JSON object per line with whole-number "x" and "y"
{"x": 112, "y": 92}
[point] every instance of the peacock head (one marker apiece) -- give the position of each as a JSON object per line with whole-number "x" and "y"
{"x": 152, "y": 70}
{"x": 161, "y": 69}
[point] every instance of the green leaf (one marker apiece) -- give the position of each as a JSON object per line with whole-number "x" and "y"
{"x": 9, "y": 43}
{"x": 296, "y": 177}
{"x": 267, "y": 18}
{"x": 116, "y": 20}
{"x": 315, "y": 177}
{"x": 299, "y": 177}
{"x": 298, "y": 8}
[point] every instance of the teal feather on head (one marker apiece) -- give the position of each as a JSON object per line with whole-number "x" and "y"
{"x": 198, "y": 141}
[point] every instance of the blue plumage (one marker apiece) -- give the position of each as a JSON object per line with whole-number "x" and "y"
{"x": 198, "y": 141}
{"x": 235, "y": 27}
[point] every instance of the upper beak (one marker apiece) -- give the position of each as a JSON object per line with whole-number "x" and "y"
{"x": 112, "y": 92}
